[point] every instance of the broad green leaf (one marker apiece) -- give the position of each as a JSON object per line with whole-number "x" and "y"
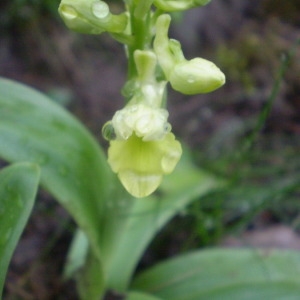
{"x": 140, "y": 296}
{"x": 18, "y": 186}
{"x": 91, "y": 282}
{"x": 73, "y": 167}
{"x": 150, "y": 214}
{"x": 220, "y": 274}
{"x": 84, "y": 266}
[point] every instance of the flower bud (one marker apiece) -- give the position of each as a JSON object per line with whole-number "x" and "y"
{"x": 179, "y": 5}
{"x": 91, "y": 17}
{"x": 196, "y": 76}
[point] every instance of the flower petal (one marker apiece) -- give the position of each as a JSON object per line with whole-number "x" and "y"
{"x": 141, "y": 164}
{"x": 138, "y": 184}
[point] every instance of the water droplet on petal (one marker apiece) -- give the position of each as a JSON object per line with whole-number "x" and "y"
{"x": 191, "y": 79}
{"x": 133, "y": 108}
{"x": 68, "y": 12}
{"x": 108, "y": 131}
{"x": 100, "y": 9}
{"x": 167, "y": 128}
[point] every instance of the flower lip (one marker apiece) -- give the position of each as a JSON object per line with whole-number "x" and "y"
{"x": 140, "y": 164}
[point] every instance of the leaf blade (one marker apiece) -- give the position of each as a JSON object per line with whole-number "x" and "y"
{"x": 215, "y": 273}
{"x": 18, "y": 187}
{"x": 73, "y": 167}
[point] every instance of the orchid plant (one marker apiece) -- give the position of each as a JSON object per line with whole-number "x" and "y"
{"x": 48, "y": 146}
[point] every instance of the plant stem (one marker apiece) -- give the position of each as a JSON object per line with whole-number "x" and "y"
{"x": 141, "y": 33}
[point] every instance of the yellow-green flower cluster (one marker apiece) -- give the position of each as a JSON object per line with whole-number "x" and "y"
{"x": 142, "y": 148}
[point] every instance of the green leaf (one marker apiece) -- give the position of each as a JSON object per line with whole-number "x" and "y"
{"x": 77, "y": 254}
{"x": 18, "y": 186}
{"x": 150, "y": 214}
{"x": 73, "y": 167}
{"x": 91, "y": 282}
{"x": 221, "y": 274}
{"x": 140, "y": 296}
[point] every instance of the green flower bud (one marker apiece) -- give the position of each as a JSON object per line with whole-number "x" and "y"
{"x": 179, "y": 5}
{"x": 141, "y": 165}
{"x": 91, "y": 17}
{"x": 196, "y": 76}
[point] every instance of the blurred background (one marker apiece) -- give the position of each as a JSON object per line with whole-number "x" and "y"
{"x": 248, "y": 131}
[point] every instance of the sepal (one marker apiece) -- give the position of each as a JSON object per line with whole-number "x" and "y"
{"x": 91, "y": 17}
{"x": 179, "y": 5}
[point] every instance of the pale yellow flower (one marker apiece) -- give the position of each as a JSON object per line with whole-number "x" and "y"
{"x": 140, "y": 164}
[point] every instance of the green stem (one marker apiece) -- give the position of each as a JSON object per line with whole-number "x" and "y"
{"x": 143, "y": 8}
{"x": 140, "y": 21}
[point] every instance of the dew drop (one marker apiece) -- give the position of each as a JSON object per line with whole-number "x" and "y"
{"x": 100, "y": 9}
{"x": 108, "y": 131}
{"x": 167, "y": 127}
{"x": 191, "y": 79}
{"x": 133, "y": 108}
{"x": 68, "y": 12}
